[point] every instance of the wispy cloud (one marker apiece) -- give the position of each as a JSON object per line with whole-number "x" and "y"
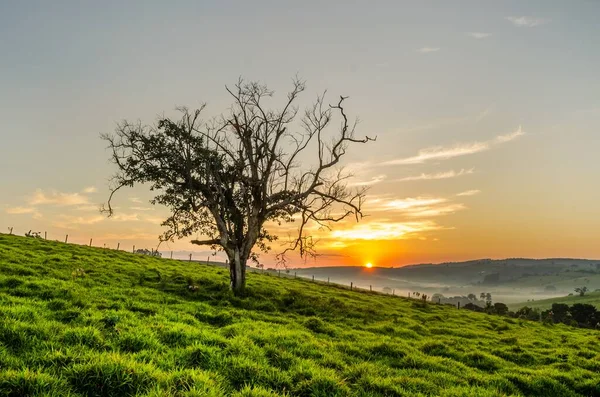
{"x": 90, "y": 208}
{"x": 431, "y": 211}
{"x": 442, "y": 153}
{"x": 528, "y": 22}
{"x": 142, "y": 208}
{"x": 416, "y": 207}
{"x": 372, "y": 181}
{"x": 469, "y": 192}
{"x": 35, "y": 214}
{"x": 479, "y": 35}
{"x": 409, "y": 202}
{"x": 90, "y": 189}
{"x": 509, "y": 137}
{"x": 135, "y": 200}
{"x": 72, "y": 222}
{"x": 385, "y": 230}
{"x": 57, "y": 198}
{"x": 426, "y": 50}
{"x": 439, "y": 175}
{"x": 119, "y": 217}
{"x": 20, "y": 210}
{"x": 457, "y": 150}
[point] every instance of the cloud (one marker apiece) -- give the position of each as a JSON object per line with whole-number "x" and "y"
{"x": 416, "y": 207}
{"x": 442, "y": 153}
{"x": 469, "y": 192}
{"x": 35, "y": 214}
{"x": 90, "y": 208}
{"x": 509, "y": 137}
{"x": 528, "y": 22}
{"x": 125, "y": 217}
{"x": 410, "y": 202}
{"x": 384, "y": 230}
{"x": 479, "y": 35}
{"x": 142, "y": 208}
{"x": 372, "y": 181}
{"x": 21, "y": 210}
{"x": 457, "y": 150}
{"x": 439, "y": 175}
{"x": 90, "y": 189}
{"x": 71, "y": 222}
{"x": 426, "y": 50}
{"x": 135, "y": 200}
{"x": 154, "y": 219}
{"x": 57, "y": 198}
{"x": 429, "y": 211}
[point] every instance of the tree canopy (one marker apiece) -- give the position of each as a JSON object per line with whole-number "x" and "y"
{"x": 229, "y": 178}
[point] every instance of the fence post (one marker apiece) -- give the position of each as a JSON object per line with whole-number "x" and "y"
{"x": 313, "y": 277}
{"x": 45, "y": 235}
{"x": 327, "y": 280}
{"x": 393, "y": 292}
{"x": 208, "y": 260}
{"x": 171, "y": 254}
{"x": 294, "y": 274}
{"x": 66, "y": 238}
{"x": 190, "y": 257}
{"x": 350, "y": 285}
{"x": 118, "y": 245}
{"x": 90, "y": 242}
{"x": 279, "y": 273}
{"x": 458, "y": 305}
{"x": 133, "y": 250}
{"x": 371, "y": 288}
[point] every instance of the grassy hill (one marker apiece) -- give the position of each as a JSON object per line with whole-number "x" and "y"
{"x": 80, "y": 321}
{"x": 592, "y": 298}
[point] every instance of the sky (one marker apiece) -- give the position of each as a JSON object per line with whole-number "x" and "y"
{"x": 486, "y": 114}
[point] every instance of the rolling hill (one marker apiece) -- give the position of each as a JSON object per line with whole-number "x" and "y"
{"x": 592, "y": 298}
{"x": 81, "y": 321}
{"x": 509, "y": 280}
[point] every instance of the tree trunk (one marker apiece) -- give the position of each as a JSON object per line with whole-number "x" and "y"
{"x": 237, "y": 272}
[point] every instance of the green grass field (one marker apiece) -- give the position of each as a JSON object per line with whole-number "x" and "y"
{"x": 593, "y": 298}
{"x": 128, "y": 325}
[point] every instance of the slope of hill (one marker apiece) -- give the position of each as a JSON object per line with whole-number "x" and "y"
{"x": 80, "y": 321}
{"x": 593, "y": 298}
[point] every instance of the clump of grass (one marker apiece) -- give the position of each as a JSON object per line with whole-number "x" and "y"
{"x": 316, "y": 325}
{"x": 84, "y": 336}
{"x": 111, "y": 375}
{"x": 26, "y": 382}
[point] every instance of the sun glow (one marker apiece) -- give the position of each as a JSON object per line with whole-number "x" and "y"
{"x": 369, "y": 265}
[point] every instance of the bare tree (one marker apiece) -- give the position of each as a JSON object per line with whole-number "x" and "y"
{"x": 230, "y": 178}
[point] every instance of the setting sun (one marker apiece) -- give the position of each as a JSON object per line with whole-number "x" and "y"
{"x": 369, "y": 265}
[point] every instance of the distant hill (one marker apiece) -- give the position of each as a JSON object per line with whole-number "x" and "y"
{"x": 593, "y": 298}
{"x": 84, "y": 321}
{"x": 513, "y": 280}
